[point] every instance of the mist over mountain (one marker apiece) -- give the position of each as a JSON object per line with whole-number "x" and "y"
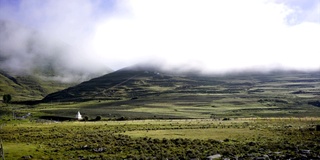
{"x": 24, "y": 51}
{"x": 76, "y": 39}
{"x": 28, "y": 87}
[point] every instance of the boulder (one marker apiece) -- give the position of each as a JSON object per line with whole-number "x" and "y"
{"x": 216, "y": 156}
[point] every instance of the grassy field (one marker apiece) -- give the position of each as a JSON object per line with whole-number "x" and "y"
{"x": 149, "y": 96}
{"x": 275, "y": 138}
{"x": 147, "y": 115}
{"x": 140, "y": 94}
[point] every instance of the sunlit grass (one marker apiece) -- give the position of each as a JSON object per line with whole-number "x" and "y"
{"x": 17, "y": 150}
{"x": 67, "y": 140}
{"x": 212, "y": 133}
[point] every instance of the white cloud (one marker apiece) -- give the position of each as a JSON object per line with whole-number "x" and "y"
{"x": 220, "y": 35}
{"x": 55, "y": 33}
{"x": 215, "y": 35}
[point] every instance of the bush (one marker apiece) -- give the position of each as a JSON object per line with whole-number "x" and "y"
{"x": 123, "y": 118}
{"x": 98, "y": 118}
{"x": 6, "y": 98}
{"x": 226, "y": 119}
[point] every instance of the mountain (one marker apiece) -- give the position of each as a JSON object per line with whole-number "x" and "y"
{"x": 25, "y": 51}
{"x": 150, "y": 84}
{"x": 28, "y": 87}
{"x": 131, "y": 82}
{"x": 34, "y": 64}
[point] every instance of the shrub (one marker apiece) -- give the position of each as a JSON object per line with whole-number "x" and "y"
{"x": 98, "y": 118}
{"x": 6, "y": 98}
{"x": 226, "y": 119}
{"x": 122, "y": 118}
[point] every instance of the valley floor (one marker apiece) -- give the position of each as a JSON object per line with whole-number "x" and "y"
{"x": 246, "y": 138}
{"x": 162, "y": 116}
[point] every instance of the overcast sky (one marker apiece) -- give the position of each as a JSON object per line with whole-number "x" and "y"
{"x": 216, "y": 35}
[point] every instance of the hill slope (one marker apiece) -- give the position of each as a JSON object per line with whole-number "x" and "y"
{"x": 137, "y": 83}
{"x": 28, "y": 87}
{"x": 125, "y": 83}
{"x": 150, "y": 92}
{"x": 34, "y": 64}
{"x": 27, "y": 51}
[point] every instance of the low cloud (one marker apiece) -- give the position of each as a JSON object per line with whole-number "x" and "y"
{"x": 79, "y": 37}
{"x": 218, "y": 36}
{"x": 52, "y": 36}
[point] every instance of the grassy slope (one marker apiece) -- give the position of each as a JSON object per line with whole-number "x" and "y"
{"x": 142, "y": 94}
{"x": 170, "y": 96}
{"x": 174, "y": 139}
{"x": 28, "y": 87}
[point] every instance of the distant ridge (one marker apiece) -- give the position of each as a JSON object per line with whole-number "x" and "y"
{"x": 148, "y": 80}
{"x": 28, "y": 87}
{"x": 24, "y": 51}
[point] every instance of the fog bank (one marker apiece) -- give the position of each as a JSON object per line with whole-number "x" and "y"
{"x": 83, "y": 37}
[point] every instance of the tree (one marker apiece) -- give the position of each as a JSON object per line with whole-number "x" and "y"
{"x": 6, "y": 98}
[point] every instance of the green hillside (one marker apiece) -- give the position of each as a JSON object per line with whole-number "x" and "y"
{"x": 28, "y": 87}
{"x": 145, "y": 93}
{"x": 37, "y": 64}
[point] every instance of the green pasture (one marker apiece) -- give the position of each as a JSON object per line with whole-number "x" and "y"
{"x": 172, "y": 139}
{"x": 212, "y": 133}
{"x": 140, "y": 95}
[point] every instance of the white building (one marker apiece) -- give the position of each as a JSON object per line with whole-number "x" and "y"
{"x": 79, "y": 117}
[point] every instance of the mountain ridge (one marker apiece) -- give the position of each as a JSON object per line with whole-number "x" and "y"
{"x": 24, "y": 51}
{"x": 28, "y": 87}
{"x": 143, "y": 80}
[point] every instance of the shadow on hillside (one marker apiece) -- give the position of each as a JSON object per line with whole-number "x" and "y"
{"x": 58, "y": 118}
{"x": 30, "y": 102}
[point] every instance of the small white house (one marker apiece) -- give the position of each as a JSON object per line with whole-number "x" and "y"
{"x": 79, "y": 117}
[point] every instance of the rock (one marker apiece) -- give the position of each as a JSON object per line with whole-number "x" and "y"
{"x": 26, "y": 157}
{"x": 99, "y": 150}
{"x": 264, "y": 157}
{"x": 303, "y": 156}
{"x": 85, "y": 147}
{"x": 305, "y": 151}
{"x": 216, "y": 156}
